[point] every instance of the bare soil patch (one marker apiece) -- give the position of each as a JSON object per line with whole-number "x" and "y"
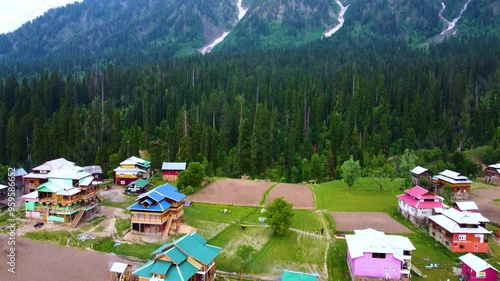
{"x": 64, "y": 263}
{"x": 232, "y": 192}
{"x": 349, "y": 221}
{"x": 484, "y": 201}
{"x": 299, "y": 195}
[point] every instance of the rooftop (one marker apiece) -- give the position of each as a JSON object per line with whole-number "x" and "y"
{"x": 467, "y": 206}
{"x": 477, "y": 264}
{"x": 289, "y": 275}
{"x": 173, "y": 166}
{"x": 54, "y": 164}
{"x": 452, "y": 177}
{"x": 418, "y": 170}
{"x": 448, "y": 220}
{"x": 373, "y": 241}
{"x": 136, "y": 161}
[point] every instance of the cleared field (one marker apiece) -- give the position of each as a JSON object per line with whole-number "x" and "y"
{"x": 349, "y": 221}
{"x": 484, "y": 199}
{"x": 299, "y": 195}
{"x": 64, "y": 263}
{"x": 232, "y": 192}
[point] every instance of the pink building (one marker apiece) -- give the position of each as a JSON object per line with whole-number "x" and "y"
{"x": 477, "y": 269}
{"x": 417, "y": 203}
{"x": 372, "y": 254}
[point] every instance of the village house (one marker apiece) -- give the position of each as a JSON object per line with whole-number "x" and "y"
{"x": 19, "y": 177}
{"x": 65, "y": 197}
{"x": 477, "y": 269}
{"x": 188, "y": 258}
{"x": 419, "y": 173}
{"x": 171, "y": 170}
{"x": 38, "y": 175}
{"x": 492, "y": 174}
{"x": 459, "y": 232}
{"x": 460, "y": 185}
{"x": 466, "y": 206}
{"x": 96, "y": 172}
{"x": 131, "y": 169}
{"x": 158, "y": 211}
{"x": 372, "y": 255}
{"x": 417, "y": 204}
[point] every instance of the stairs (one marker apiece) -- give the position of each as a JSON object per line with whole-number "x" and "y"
{"x": 78, "y": 217}
{"x": 167, "y": 229}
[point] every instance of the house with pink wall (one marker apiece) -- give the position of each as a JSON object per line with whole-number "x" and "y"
{"x": 477, "y": 269}
{"x": 372, "y": 255}
{"x": 417, "y": 204}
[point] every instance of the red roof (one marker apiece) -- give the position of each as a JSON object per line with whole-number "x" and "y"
{"x": 420, "y": 193}
{"x": 420, "y": 205}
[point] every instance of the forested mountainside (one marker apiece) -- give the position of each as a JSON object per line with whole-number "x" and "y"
{"x": 133, "y": 32}
{"x": 263, "y": 113}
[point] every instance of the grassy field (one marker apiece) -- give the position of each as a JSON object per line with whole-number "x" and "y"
{"x": 129, "y": 200}
{"x": 121, "y": 225}
{"x": 364, "y": 196}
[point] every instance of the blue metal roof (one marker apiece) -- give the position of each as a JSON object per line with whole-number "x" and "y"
{"x": 148, "y": 201}
{"x": 163, "y": 191}
{"x": 162, "y": 206}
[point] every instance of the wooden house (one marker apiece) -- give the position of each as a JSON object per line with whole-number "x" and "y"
{"x": 19, "y": 177}
{"x": 289, "y": 275}
{"x": 158, "y": 211}
{"x": 65, "y": 197}
{"x": 170, "y": 170}
{"x": 38, "y": 175}
{"x": 188, "y": 258}
{"x": 492, "y": 174}
{"x": 372, "y": 255}
{"x": 459, "y": 232}
{"x": 460, "y": 185}
{"x": 419, "y": 173}
{"x": 131, "y": 169}
{"x": 466, "y": 206}
{"x": 477, "y": 269}
{"x": 417, "y": 204}
{"x": 95, "y": 171}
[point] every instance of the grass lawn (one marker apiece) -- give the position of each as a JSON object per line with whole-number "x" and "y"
{"x": 141, "y": 251}
{"x": 129, "y": 200}
{"x": 62, "y": 237}
{"x": 213, "y": 213}
{"x": 93, "y": 222}
{"x": 364, "y": 196}
{"x": 121, "y": 225}
{"x": 337, "y": 264}
{"x": 307, "y": 254}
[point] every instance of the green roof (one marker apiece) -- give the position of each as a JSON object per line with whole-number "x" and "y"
{"x": 140, "y": 182}
{"x": 160, "y": 267}
{"x": 145, "y": 270}
{"x": 176, "y": 255}
{"x": 190, "y": 245}
{"x": 48, "y": 187}
{"x": 298, "y": 276}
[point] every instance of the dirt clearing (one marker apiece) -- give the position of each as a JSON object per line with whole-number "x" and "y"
{"x": 40, "y": 261}
{"x": 299, "y": 195}
{"x": 349, "y": 221}
{"x": 232, "y": 192}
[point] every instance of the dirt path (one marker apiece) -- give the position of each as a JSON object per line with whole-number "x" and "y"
{"x": 484, "y": 201}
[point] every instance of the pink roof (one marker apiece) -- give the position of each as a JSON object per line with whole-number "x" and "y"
{"x": 420, "y": 205}
{"x": 418, "y": 191}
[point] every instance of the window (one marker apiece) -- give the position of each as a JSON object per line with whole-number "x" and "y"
{"x": 462, "y": 237}
{"x": 378, "y": 255}
{"x": 462, "y": 246}
{"x": 407, "y": 253}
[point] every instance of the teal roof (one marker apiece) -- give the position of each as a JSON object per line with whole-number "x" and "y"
{"x": 180, "y": 269}
{"x": 298, "y": 276}
{"x": 190, "y": 245}
{"x": 49, "y": 187}
{"x": 176, "y": 255}
{"x": 160, "y": 267}
{"x": 140, "y": 182}
{"x": 145, "y": 270}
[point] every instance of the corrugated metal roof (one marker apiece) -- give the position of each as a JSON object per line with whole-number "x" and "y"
{"x": 161, "y": 267}
{"x": 54, "y": 164}
{"x": 289, "y": 275}
{"x": 420, "y": 205}
{"x": 31, "y": 195}
{"x": 175, "y": 255}
{"x": 35, "y": 176}
{"x": 93, "y": 169}
{"x": 139, "y": 183}
{"x": 20, "y": 172}
{"x": 68, "y": 192}
{"x": 459, "y": 217}
{"x": 479, "y": 217}
{"x": 373, "y": 241}
{"x": 118, "y": 267}
{"x": 145, "y": 270}
{"x": 164, "y": 191}
{"x": 160, "y": 207}
{"x": 418, "y": 170}
{"x": 134, "y": 161}
{"x": 173, "y": 166}
{"x": 476, "y": 263}
{"x": 452, "y": 227}
{"x": 129, "y": 170}
{"x": 467, "y": 205}
{"x": 86, "y": 181}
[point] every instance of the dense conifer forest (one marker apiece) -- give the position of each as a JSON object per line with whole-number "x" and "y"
{"x": 287, "y": 114}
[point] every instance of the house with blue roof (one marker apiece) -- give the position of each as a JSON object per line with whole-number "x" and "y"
{"x": 158, "y": 211}
{"x": 188, "y": 258}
